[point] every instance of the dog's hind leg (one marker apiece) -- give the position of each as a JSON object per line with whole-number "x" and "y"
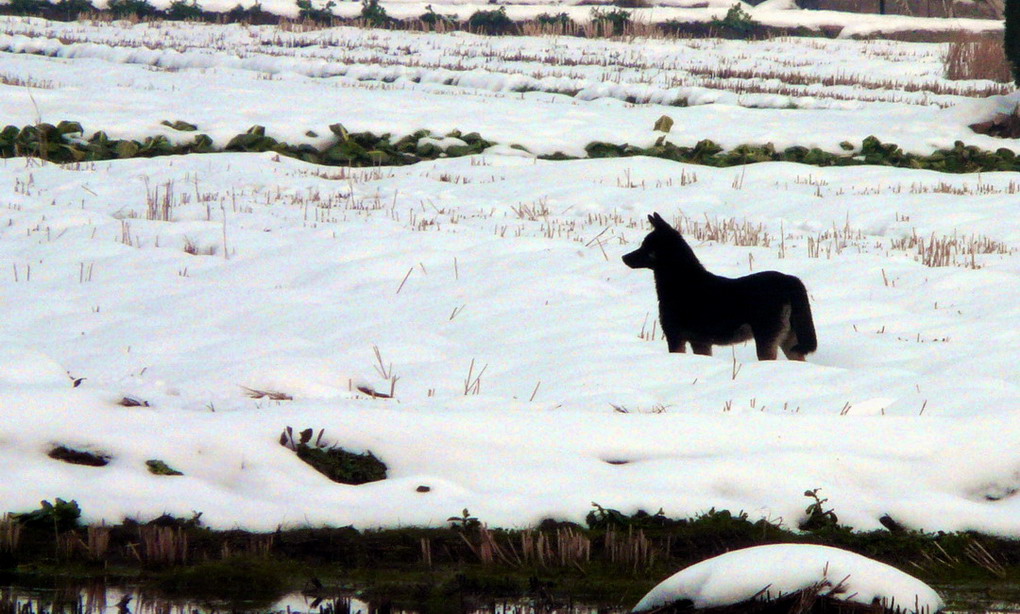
{"x": 702, "y": 349}
{"x": 788, "y": 344}
{"x": 775, "y": 334}
{"x": 766, "y": 346}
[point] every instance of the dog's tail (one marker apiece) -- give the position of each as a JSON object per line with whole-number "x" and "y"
{"x": 801, "y": 322}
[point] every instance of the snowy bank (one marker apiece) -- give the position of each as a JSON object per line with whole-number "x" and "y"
{"x": 770, "y": 572}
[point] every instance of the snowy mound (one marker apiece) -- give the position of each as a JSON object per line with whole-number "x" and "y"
{"x": 781, "y": 569}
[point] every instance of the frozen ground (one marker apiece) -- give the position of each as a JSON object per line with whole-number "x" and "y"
{"x": 520, "y": 349}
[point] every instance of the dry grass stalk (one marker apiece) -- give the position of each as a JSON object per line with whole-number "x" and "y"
{"x": 163, "y": 545}
{"x": 792, "y": 83}
{"x": 473, "y": 383}
{"x": 633, "y": 549}
{"x": 384, "y": 370}
{"x": 128, "y": 401}
{"x": 159, "y": 207}
{"x": 648, "y": 334}
{"x": 19, "y": 81}
{"x": 426, "y": 552}
{"x": 488, "y": 549}
{"x": 533, "y": 212}
{"x": 980, "y": 556}
{"x": 125, "y": 233}
{"x": 97, "y": 541}
{"x": 260, "y": 546}
{"x": 944, "y": 187}
{"x": 10, "y": 534}
{"x": 191, "y": 247}
{"x": 68, "y": 543}
{"x": 535, "y": 547}
{"x": 950, "y": 250}
{"x": 272, "y": 395}
{"x": 728, "y": 230}
{"x": 567, "y": 548}
{"x": 373, "y": 393}
{"x": 573, "y": 547}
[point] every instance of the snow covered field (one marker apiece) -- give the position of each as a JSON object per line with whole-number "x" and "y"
{"x": 548, "y": 94}
{"x": 489, "y": 294}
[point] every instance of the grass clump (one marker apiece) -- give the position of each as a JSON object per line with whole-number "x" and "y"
{"x": 609, "y": 22}
{"x": 251, "y": 14}
{"x": 433, "y": 20}
{"x": 60, "y": 515}
{"x": 27, "y": 7}
{"x": 737, "y": 22}
{"x": 158, "y": 467}
{"x": 71, "y": 9}
{"x": 140, "y": 9}
{"x": 559, "y": 22}
{"x": 182, "y": 10}
{"x": 374, "y": 14}
{"x": 491, "y": 22}
{"x": 309, "y": 10}
{"x": 337, "y": 464}
{"x": 249, "y": 580}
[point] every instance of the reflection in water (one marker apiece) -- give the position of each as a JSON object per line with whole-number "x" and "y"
{"x": 101, "y": 599}
{"x": 1003, "y": 599}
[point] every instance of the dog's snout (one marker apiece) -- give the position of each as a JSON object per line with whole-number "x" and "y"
{"x": 638, "y": 259}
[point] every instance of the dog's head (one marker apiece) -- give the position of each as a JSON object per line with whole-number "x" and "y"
{"x": 654, "y": 246}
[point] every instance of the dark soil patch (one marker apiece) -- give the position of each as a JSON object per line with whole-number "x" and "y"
{"x": 79, "y": 457}
{"x": 1003, "y": 125}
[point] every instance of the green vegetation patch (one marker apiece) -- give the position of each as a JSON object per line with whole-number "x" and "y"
{"x": 960, "y": 158}
{"x": 491, "y": 22}
{"x": 334, "y": 462}
{"x": 158, "y": 467}
{"x": 609, "y": 22}
{"x": 251, "y": 580}
{"x": 65, "y": 143}
{"x": 60, "y": 516}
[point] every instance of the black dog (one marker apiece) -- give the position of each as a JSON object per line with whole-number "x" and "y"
{"x": 703, "y": 309}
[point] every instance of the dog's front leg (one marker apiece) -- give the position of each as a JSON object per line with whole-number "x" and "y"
{"x": 677, "y": 345}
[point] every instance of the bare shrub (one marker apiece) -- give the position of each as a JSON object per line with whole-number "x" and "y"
{"x": 972, "y": 56}
{"x": 163, "y": 545}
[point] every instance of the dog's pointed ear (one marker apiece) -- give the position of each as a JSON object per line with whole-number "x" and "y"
{"x": 657, "y": 221}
